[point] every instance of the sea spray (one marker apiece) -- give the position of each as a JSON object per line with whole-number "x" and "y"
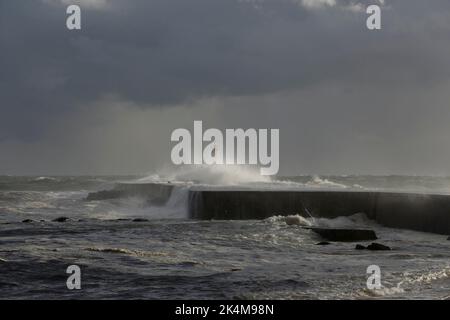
{"x": 207, "y": 175}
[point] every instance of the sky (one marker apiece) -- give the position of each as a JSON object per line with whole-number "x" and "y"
{"x": 105, "y": 99}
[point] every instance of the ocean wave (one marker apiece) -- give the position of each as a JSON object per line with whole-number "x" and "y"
{"x": 44, "y": 179}
{"x": 355, "y": 220}
{"x": 132, "y": 252}
{"x": 412, "y": 281}
{"x": 319, "y": 182}
{"x": 426, "y": 278}
{"x": 382, "y": 292}
{"x": 135, "y": 206}
{"x": 160, "y": 257}
{"x": 290, "y": 220}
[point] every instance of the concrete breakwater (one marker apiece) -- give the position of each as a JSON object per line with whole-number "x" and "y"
{"x": 415, "y": 211}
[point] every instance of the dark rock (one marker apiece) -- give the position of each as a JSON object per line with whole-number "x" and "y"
{"x": 27, "y": 221}
{"x": 377, "y": 246}
{"x": 61, "y": 219}
{"x": 323, "y": 243}
{"x": 448, "y": 238}
{"x": 140, "y": 220}
{"x": 360, "y": 247}
{"x": 345, "y": 234}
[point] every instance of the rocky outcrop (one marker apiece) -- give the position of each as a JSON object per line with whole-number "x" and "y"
{"x": 346, "y": 235}
{"x": 377, "y": 246}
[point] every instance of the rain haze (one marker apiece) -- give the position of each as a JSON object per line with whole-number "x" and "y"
{"x": 104, "y": 99}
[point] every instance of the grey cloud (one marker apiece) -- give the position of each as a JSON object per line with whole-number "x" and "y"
{"x": 165, "y": 54}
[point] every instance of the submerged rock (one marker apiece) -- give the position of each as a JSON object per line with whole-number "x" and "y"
{"x": 60, "y": 219}
{"x": 377, "y": 246}
{"x": 345, "y": 234}
{"x": 323, "y": 243}
{"x": 448, "y": 238}
{"x": 140, "y": 220}
{"x": 373, "y": 246}
{"x": 27, "y": 221}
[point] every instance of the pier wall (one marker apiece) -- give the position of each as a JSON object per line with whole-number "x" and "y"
{"x": 421, "y": 212}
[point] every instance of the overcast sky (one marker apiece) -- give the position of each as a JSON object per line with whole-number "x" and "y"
{"x": 104, "y": 99}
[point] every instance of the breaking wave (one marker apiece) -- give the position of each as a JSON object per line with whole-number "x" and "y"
{"x": 209, "y": 175}
{"x": 353, "y": 221}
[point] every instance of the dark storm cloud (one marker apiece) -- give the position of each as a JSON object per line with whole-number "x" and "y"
{"x": 104, "y": 99}
{"x": 163, "y": 52}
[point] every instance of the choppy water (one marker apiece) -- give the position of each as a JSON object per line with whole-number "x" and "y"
{"x": 170, "y": 256}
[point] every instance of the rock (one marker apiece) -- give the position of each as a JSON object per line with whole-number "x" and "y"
{"x": 140, "y": 220}
{"x": 323, "y": 243}
{"x": 345, "y": 234}
{"x": 448, "y": 238}
{"x": 3, "y": 260}
{"x": 61, "y": 219}
{"x": 360, "y": 247}
{"x": 293, "y": 220}
{"x": 27, "y": 221}
{"x": 377, "y": 246}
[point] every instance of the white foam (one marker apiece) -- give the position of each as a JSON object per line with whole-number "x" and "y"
{"x": 291, "y": 220}
{"x": 319, "y": 182}
{"x": 209, "y": 175}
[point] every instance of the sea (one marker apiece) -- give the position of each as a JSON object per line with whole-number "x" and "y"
{"x": 127, "y": 248}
